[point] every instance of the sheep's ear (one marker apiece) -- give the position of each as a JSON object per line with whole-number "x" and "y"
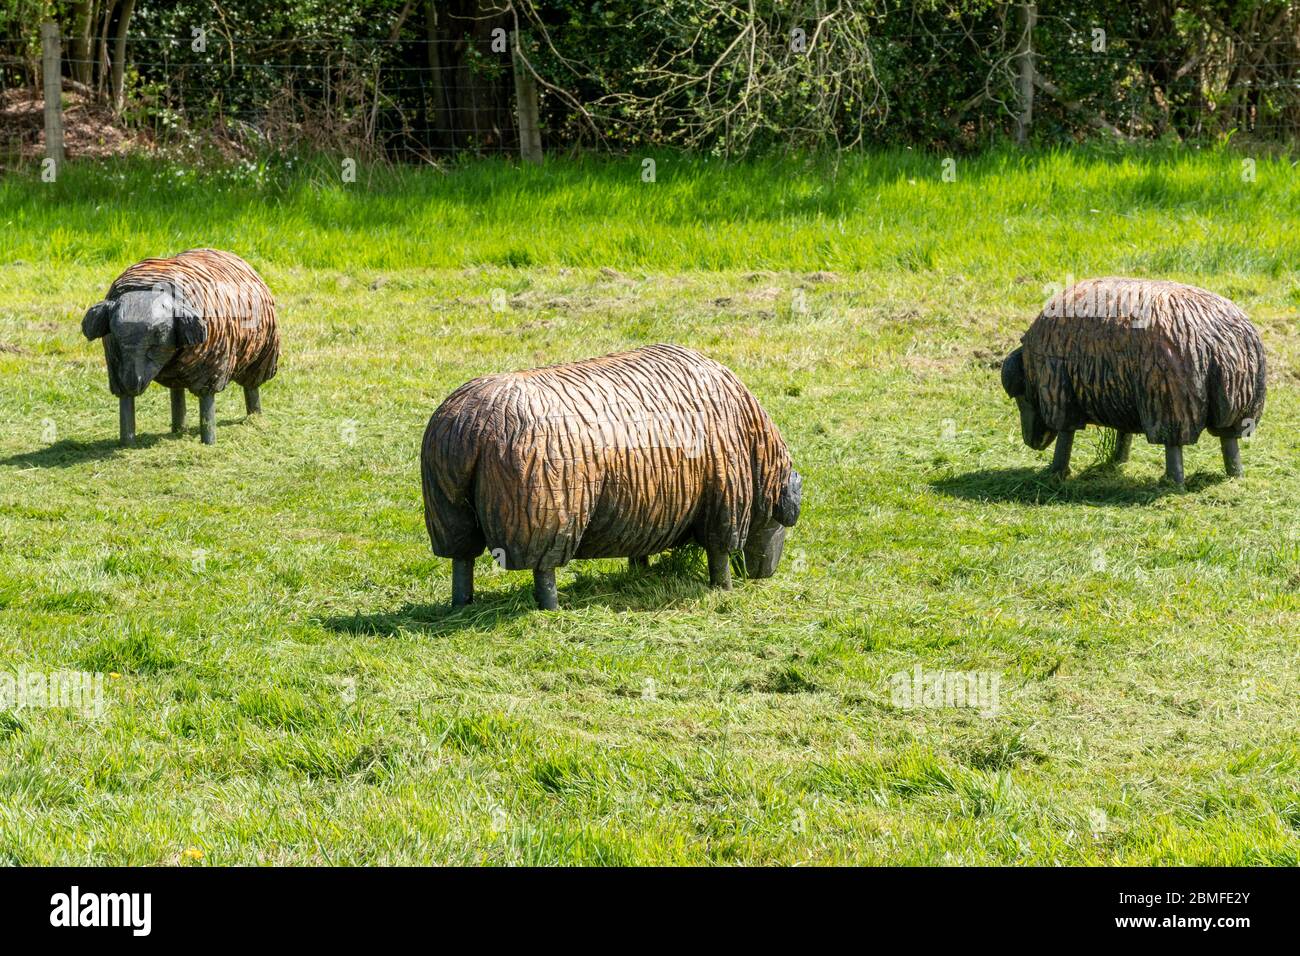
{"x": 788, "y": 505}
{"x": 190, "y": 327}
{"x": 1013, "y": 373}
{"x": 95, "y": 325}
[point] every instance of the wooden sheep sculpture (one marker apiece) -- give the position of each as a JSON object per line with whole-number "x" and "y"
{"x": 1138, "y": 355}
{"x": 196, "y": 321}
{"x": 621, "y": 456}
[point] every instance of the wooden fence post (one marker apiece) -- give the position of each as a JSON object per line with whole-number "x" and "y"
{"x": 52, "y": 78}
{"x": 530, "y": 133}
{"x": 1025, "y": 86}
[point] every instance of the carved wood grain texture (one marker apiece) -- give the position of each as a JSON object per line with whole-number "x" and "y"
{"x": 619, "y": 456}
{"x": 238, "y": 312}
{"x": 1147, "y": 356}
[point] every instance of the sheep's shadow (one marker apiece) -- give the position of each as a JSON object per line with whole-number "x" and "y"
{"x": 1096, "y": 485}
{"x": 67, "y": 452}
{"x": 652, "y": 589}
{"x": 431, "y": 620}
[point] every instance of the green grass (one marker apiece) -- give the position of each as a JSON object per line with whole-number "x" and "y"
{"x": 292, "y": 687}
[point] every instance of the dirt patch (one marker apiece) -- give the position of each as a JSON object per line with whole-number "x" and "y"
{"x": 89, "y": 127}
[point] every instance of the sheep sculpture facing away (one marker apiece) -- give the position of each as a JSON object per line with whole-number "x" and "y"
{"x": 620, "y": 456}
{"x": 1137, "y": 355}
{"x": 196, "y": 321}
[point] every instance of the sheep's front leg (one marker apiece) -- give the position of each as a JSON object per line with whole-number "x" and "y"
{"x": 126, "y": 420}
{"x": 720, "y": 569}
{"x": 1123, "y": 446}
{"x": 1174, "y": 464}
{"x": 544, "y": 590}
{"x": 208, "y": 418}
{"x": 462, "y": 582}
{"x": 1231, "y": 456}
{"x": 178, "y": 411}
{"x": 638, "y": 563}
{"x": 252, "y": 401}
{"x": 1061, "y": 457}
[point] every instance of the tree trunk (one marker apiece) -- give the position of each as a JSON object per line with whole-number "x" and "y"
{"x": 101, "y": 78}
{"x": 119, "y": 55}
{"x": 83, "y": 14}
{"x": 437, "y": 92}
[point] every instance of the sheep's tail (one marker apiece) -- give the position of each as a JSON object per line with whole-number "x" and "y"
{"x": 448, "y": 468}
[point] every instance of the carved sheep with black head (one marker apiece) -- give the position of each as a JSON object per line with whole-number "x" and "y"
{"x": 621, "y": 456}
{"x": 196, "y": 322}
{"x": 1141, "y": 356}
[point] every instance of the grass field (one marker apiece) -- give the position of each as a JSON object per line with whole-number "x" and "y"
{"x": 286, "y": 683}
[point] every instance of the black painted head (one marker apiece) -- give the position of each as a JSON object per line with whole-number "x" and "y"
{"x": 144, "y": 329}
{"x": 1032, "y": 429}
{"x": 766, "y": 542}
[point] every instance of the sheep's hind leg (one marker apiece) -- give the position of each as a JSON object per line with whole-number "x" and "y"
{"x": 1174, "y": 464}
{"x": 208, "y": 418}
{"x": 544, "y": 590}
{"x": 638, "y": 562}
{"x": 462, "y": 582}
{"x": 1231, "y": 456}
{"x": 1123, "y": 446}
{"x": 126, "y": 420}
{"x": 252, "y": 400}
{"x": 720, "y": 569}
{"x": 1061, "y": 457}
{"x": 178, "y": 411}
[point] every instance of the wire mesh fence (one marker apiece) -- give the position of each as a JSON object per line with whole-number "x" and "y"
{"x": 366, "y": 96}
{"x": 415, "y": 100}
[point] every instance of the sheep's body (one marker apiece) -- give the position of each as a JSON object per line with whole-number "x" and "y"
{"x": 1159, "y": 358}
{"x": 197, "y": 321}
{"x": 620, "y": 456}
{"x": 237, "y": 308}
{"x": 1141, "y": 356}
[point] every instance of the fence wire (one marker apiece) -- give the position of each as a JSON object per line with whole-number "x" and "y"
{"x": 420, "y": 100}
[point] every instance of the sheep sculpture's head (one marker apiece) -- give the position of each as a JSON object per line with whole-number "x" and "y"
{"x": 144, "y": 329}
{"x": 1032, "y": 428}
{"x": 765, "y": 543}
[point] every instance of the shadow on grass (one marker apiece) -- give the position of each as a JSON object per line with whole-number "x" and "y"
{"x": 657, "y": 588}
{"x": 433, "y": 620}
{"x": 67, "y": 452}
{"x": 1098, "y": 485}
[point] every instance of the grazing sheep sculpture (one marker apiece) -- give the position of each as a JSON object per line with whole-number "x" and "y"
{"x": 1138, "y": 355}
{"x": 620, "y": 456}
{"x": 196, "y": 321}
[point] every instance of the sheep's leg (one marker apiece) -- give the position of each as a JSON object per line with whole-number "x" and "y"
{"x": 208, "y": 418}
{"x": 178, "y": 411}
{"x": 638, "y": 563}
{"x": 720, "y": 569}
{"x": 1174, "y": 464}
{"x": 252, "y": 401}
{"x": 1231, "y": 456}
{"x": 1061, "y": 457}
{"x": 1123, "y": 446}
{"x": 126, "y": 420}
{"x": 544, "y": 590}
{"x": 462, "y": 582}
